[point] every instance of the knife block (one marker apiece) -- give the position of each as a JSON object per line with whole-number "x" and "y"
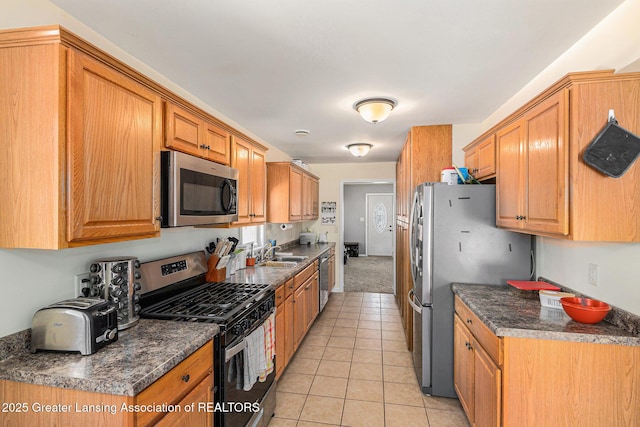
{"x": 214, "y": 274}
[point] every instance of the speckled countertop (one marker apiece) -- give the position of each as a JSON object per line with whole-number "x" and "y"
{"x": 142, "y": 354}
{"x": 278, "y": 275}
{"x": 507, "y": 314}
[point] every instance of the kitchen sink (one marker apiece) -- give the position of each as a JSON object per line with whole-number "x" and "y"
{"x": 279, "y": 264}
{"x": 295, "y": 258}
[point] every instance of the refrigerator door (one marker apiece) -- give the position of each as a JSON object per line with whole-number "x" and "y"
{"x": 422, "y": 242}
{"x": 422, "y": 346}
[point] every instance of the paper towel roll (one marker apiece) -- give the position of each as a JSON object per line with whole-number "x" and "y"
{"x": 286, "y": 226}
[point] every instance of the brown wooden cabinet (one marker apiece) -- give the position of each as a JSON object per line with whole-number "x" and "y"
{"x": 190, "y": 381}
{"x": 191, "y": 134}
{"x": 543, "y": 185}
{"x": 477, "y": 376}
{"x": 249, "y": 159}
{"x": 292, "y": 193}
{"x": 532, "y": 156}
{"x": 299, "y": 316}
{"x": 427, "y": 150}
{"x": 80, "y": 156}
{"x": 280, "y": 331}
{"x": 312, "y": 288}
{"x": 332, "y": 270}
{"x": 480, "y": 158}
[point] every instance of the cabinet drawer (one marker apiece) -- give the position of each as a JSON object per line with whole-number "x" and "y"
{"x": 487, "y": 339}
{"x": 302, "y": 277}
{"x": 280, "y": 295}
{"x": 176, "y": 383}
{"x": 288, "y": 288}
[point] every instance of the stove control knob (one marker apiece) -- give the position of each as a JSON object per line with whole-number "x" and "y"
{"x": 116, "y": 292}
{"x": 136, "y": 308}
{"x": 94, "y": 268}
{"x": 137, "y": 275}
{"x": 118, "y": 268}
{"x": 118, "y": 281}
{"x": 137, "y": 286}
{"x": 95, "y": 280}
{"x": 136, "y": 263}
{"x": 237, "y": 330}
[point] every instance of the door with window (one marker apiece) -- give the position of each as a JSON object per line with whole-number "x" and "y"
{"x": 379, "y": 224}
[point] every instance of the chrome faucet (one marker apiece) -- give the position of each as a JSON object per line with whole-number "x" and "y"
{"x": 264, "y": 254}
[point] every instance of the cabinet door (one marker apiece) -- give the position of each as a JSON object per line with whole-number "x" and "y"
{"x": 114, "y": 138}
{"x": 183, "y": 131}
{"x": 510, "y": 185}
{"x": 315, "y": 198}
{"x": 471, "y": 161}
{"x": 280, "y": 340}
{"x": 299, "y": 314}
{"x": 258, "y": 186}
{"x": 289, "y": 322}
{"x": 217, "y": 144}
{"x": 463, "y": 366}
{"x": 486, "y": 157}
{"x": 487, "y": 389}
{"x": 546, "y": 201}
{"x": 241, "y": 160}
{"x": 295, "y": 194}
{"x": 332, "y": 272}
{"x": 200, "y": 395}
{"x": 312, "y": 288}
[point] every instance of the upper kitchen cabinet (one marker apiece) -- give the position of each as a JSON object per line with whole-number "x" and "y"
{"x": 543, "y": 185}
{"x": 292, "y": 193}
{"x": 189, "y": 133}
{"x": 480, "y": 158}
{"x": 249, "y": 159}
{"x": 79, "y": 158}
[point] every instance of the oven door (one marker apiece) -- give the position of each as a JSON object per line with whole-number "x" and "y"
{"x": 197, "y": 191}
{"x": 238, "y": 402}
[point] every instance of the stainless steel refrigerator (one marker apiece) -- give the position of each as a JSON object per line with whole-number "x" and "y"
{"x": 454, "y": 240}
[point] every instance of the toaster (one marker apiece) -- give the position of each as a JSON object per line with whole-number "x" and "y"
{"x": 78, "y": 324}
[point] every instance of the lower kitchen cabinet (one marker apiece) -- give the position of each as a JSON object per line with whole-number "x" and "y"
{"x": 477, "y": 377}
{"x": 525, "y": 382}
{"x": 280, "y": 330}
{"x": 190, "y": 381}
{"x": 299, "y": 315}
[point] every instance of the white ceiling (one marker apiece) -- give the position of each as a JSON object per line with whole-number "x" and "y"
{"x": 281, "y": 65}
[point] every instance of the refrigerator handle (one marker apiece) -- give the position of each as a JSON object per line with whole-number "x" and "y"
{"x": 411, "y": 237}
{"x": 415, "y": 307}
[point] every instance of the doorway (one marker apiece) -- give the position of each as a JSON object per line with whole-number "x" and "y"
{"x": 371, "y": 266}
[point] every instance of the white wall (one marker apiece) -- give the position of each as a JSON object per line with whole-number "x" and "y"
{"x": 613, "y": 43}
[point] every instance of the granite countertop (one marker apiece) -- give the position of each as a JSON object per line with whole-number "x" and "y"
{"x": 142, "y": 354}
{"x": 276, "y": 276}
{"x": 507, "y": 314}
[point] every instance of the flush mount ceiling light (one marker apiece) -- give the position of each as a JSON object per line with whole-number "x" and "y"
{"x": 302, "y": 132}
{"x": 359, "y": 149}
{"x": 375, "y": 110}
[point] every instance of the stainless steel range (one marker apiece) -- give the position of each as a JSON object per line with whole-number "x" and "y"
{"x": 175, "y": 289}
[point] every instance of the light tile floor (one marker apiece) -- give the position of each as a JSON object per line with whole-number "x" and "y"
{"x": 353, "y": 369}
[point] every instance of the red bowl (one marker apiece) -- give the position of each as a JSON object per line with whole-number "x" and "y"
{"x": 585, "y": 310}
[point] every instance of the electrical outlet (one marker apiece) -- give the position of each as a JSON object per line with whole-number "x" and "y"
{"x": 593, "y": 274}
{"x": 81, "y": 281}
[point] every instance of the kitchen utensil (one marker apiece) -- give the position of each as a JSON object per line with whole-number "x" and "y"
{"x": 524, "y": 285}
{"x": 585, "y": 310}
{"x": 551, "y": 299}
{"x": 613, "y": 150}
{"x": 78, "y": 324}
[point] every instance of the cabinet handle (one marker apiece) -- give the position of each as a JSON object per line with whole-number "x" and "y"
{"x": 469, "y": 321}
{"x": 159, "y": 218}
{"x": 186, "y": 378}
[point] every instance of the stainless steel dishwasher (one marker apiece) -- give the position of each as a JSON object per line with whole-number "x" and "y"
{"x": 324, "y": 280}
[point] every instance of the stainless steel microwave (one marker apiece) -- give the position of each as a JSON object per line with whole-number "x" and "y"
{"x": 196, "y": 191}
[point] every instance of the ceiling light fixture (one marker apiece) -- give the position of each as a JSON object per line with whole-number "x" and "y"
{"x": 375, "y": 110}
{"x": 359, "y": 149}
{"x": 302, "y": 132}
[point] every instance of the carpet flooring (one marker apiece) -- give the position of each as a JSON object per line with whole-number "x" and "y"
{"x": 369, "y": 274}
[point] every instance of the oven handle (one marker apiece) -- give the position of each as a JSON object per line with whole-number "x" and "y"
{"x": 229, "y": 353}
